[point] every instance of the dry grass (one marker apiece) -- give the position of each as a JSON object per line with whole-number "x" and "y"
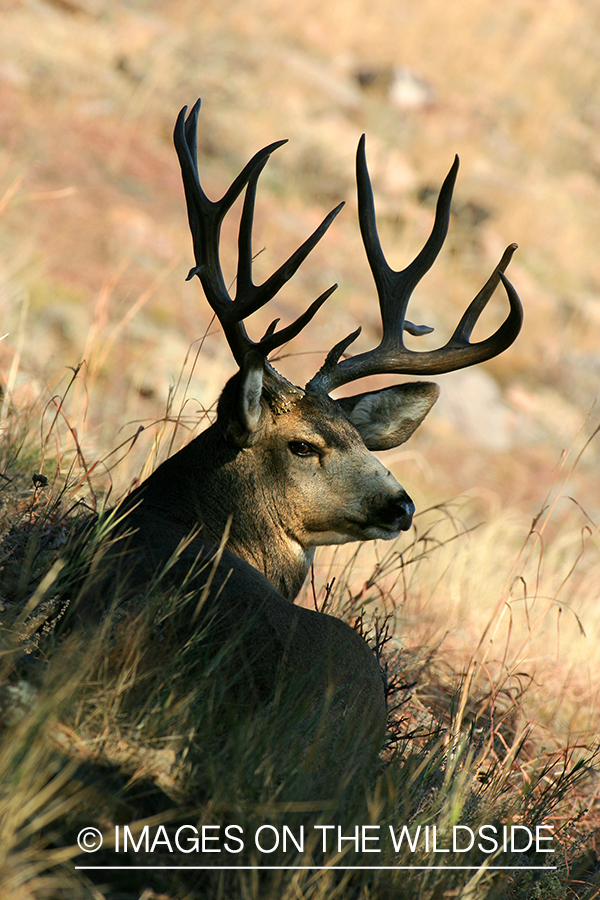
{"x": 475, "y": 738}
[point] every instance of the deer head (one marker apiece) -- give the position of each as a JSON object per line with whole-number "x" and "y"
{"x": 298, "y": 452}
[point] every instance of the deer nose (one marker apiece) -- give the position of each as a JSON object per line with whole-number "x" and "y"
{"x": 399, "y": 512}
{"x": 406, "y": 511}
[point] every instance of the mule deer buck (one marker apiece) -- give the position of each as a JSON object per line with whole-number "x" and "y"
{"x": 285, "y": 469}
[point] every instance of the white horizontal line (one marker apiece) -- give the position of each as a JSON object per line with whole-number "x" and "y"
{"x": 321, "y": 868}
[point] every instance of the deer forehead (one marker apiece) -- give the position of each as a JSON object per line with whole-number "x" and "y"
{"x": 317, "y": 418}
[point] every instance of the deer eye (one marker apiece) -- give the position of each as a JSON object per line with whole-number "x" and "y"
{"x": 302, "y": 448}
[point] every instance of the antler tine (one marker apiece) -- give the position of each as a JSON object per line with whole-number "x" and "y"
{"x": 470, "y": 316}
{"x": 253, "y": 297}
{"x": 205, "y": 218}
{"x": 273, "y": 339}
{"x": 394, "y": 290}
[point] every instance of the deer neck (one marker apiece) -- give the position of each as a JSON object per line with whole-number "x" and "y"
{"x": 284, "y": 563}
{"x": 213, "y": 485}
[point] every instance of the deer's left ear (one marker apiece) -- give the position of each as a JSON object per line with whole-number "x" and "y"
{"x": 387, "y": 418}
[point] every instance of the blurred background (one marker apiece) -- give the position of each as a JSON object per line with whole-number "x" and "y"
{"x": 94, "y": 242}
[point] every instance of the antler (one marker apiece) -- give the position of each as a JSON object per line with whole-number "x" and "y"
{"x": 395, "y": 289}
{"x": 205, "y": 218}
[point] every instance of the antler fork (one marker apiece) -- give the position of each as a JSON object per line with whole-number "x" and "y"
{"x": 395, "y": 289}
{"x": 206, "y": 217}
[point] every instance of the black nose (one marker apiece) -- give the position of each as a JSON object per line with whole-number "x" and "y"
{"x": 399, "y": 512}
{"x": 405, "y": 512}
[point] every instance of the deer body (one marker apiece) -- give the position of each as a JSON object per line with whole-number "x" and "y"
{"x": 285, "y": 469}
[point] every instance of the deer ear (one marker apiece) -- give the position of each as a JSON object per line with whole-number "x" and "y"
{"x": 251, "y": 387}
{"x": 387, "y": 418}
{"x": 240, "y": 408}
